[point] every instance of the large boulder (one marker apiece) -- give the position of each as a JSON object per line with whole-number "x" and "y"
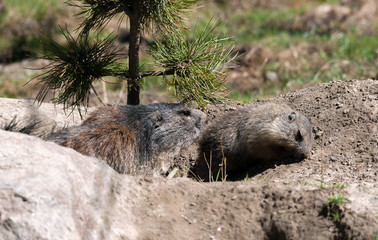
{"x": 51, "y": 192}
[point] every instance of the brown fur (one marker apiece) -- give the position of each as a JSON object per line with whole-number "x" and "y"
{"x": 135, "y": 139}
{"x": 111, "y": 143}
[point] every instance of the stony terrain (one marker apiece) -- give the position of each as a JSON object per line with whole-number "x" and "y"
{"x": 50, "y": 192}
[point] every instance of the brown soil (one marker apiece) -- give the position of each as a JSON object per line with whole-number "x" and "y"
{"x": 255, "y": 209}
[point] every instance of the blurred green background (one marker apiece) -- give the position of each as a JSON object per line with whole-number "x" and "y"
{"x": 284, "y": 45}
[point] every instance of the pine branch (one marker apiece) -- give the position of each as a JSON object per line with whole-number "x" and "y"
{"x": 200, "y": 64}
{"x": 163, "y": 14}
{"x": 97, "y": 13}
{"x": 74, "y": 68}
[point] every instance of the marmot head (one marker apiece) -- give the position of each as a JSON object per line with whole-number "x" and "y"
{"x": 174, "y": 126}
{"x": 275, "y": 131}
{"x": 292, "y": 135}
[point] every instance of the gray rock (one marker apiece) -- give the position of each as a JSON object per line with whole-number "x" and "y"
{"x": 50, "y": 116}
{"x": 51, "y": 192}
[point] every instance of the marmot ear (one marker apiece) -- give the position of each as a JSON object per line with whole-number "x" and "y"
{"x": 156, "y": 118}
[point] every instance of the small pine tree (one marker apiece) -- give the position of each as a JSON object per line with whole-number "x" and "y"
{"x": 198, "y": 66}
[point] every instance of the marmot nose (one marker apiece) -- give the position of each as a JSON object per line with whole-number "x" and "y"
{"x": 298, "y": 136}
{"x": 305, "y": 154}
{"x": 301, "y": 156}
{"x": 301, "y": 153}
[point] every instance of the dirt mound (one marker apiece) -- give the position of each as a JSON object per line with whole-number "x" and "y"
{"x": 361, "y": 15}
{"x": 244, "y": 210}
{"x": 347, "y": 114}
{"x": 324, "y": 18}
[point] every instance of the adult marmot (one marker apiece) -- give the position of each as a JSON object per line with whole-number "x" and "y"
{"x": 134, "y": 139}
{"x": 250, "y": 136}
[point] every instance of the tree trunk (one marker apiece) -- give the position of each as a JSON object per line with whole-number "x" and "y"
{"x": 133, "y": 83}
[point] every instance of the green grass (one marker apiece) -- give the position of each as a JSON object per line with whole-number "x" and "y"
{"x": 322, "y": 184}
{"x": 36, "y": 9}
{"x": 336, "y": 55}
{"x": 256, "y": 25}
{"x": 339, "y": 186}
{"x": 260, "y": 25}
{"x": 333, "y": 206}
{"x": 336, "y": 199}
{"x": 254, "y": 95}
{"x": 351, "y": 45}
{"x": 17, "y": 43}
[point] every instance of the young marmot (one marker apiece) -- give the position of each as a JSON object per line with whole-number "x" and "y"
{"x": 134, "y": 139}
{"x": 250, "y": 136}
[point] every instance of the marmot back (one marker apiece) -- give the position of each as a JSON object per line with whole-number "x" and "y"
{"x": 253, "y": 135}
{"x": 134, "y": 139}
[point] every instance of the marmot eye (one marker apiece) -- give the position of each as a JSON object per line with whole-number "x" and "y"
{"x": 185, "y": 112}
{"x": 292, "y": 116}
